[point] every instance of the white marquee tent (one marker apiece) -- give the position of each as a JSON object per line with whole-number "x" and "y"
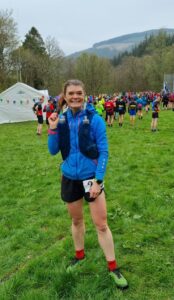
{"x": 17, "y": 101}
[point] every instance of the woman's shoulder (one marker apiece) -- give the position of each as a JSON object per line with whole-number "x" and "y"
{"x": 98, "y": 122}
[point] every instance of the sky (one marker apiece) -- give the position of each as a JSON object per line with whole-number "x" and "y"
{"x": 78, "y": 24}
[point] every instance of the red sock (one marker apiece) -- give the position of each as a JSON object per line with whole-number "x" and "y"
{"x": 112, "y": 265}
{"x": 80, "y": 254}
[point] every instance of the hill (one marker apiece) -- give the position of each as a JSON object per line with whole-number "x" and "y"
{"x": 115, "y": 46}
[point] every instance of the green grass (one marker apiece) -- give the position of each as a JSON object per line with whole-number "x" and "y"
{"x": 35, "y": 237}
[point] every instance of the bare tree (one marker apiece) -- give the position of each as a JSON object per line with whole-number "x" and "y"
{"x": 52, "y": 48}
{"x": 8, "y": 42}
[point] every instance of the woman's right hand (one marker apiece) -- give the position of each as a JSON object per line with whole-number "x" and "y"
{"x": 53, "y": 120}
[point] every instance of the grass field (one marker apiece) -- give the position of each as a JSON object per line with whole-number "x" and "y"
{"x": 35, "y": 237}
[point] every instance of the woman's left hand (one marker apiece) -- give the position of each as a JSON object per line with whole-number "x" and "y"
{"x": 94, "y": 190}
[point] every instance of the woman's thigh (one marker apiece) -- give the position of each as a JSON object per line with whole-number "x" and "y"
{"x": 98, "y": 210}
{"x": 75, "y": 209}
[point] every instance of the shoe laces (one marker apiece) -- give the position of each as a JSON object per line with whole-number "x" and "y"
{"x": 75, "y": 260}
{"x": 117, "y": 272}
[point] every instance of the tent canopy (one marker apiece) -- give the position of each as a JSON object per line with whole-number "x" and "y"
{"x": 17, "y": 101}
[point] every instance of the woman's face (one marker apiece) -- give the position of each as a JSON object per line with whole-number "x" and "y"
{"x": 75, "y": 97}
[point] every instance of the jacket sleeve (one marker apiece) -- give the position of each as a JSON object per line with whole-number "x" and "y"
{"x": 53, "y": 141}
{"x": 102, "y": 145}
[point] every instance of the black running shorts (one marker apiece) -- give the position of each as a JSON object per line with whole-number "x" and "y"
{"x": 40, "y": 119}
{"x": 73, "y": 190}
{"x": 154, "y": 114}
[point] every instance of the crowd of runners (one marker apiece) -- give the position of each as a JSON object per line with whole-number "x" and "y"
{"x": 135, "y": 104}
{"x": 113, "y": 107}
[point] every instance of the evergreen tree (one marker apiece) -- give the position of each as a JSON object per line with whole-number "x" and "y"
{"x": 34, "y": 42}
{"x": 35, "y": 47}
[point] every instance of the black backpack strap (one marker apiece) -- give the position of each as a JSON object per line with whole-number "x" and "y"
{"x": 87, "y": 146}
{"x": 64, "y": 136}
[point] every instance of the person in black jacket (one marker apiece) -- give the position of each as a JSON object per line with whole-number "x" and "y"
{"x": 121, "y": 108}
{"x": 37, "y": 109}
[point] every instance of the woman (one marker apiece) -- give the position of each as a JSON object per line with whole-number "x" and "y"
{"x": 37, "y": 109}
{"x": 80, "y": 135}
{"x": 49, "y": 109}
{"x": 109, "y": 107}
{"x": 121, "y": 108}
{"x": 132, "y": 109}
{"x": 155, "y": 114}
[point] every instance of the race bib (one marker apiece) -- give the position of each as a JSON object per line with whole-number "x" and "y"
{"x": 87, "y": 184}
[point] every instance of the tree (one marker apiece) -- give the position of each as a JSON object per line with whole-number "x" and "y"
{"x": 69, "y": 68}
{"x": 169, "y": 60}
{"x": 94, "y": 71}
{"x": 33, "y": 58}
{"x": 8, "y": 42}
{"x": 42, "y": 71}
{"x": 34, "y": 42}
{"x": 52, "y": 48}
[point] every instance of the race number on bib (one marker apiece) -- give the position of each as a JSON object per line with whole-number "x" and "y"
{"x": 87, "y": 184}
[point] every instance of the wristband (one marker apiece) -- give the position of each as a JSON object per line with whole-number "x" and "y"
{"x": 98, "y": 181}
{"x": 52, "y": 131}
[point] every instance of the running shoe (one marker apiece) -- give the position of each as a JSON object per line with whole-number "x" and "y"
{"x": 120, "y": 281}
{"x": 74, "y": 264}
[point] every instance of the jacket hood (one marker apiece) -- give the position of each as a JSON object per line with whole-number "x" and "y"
{"x": 90, "y": 108}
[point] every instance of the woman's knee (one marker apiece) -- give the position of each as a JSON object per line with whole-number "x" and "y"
{"x": 101, "y": 227}
{"x": 77, "y": 222}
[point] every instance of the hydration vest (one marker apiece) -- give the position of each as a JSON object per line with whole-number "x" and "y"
{"x": 86, "y": 145}
{"x": 37, "y": 108}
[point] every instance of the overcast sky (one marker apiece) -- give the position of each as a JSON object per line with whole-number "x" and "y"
{"x": 78, "y": 24}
